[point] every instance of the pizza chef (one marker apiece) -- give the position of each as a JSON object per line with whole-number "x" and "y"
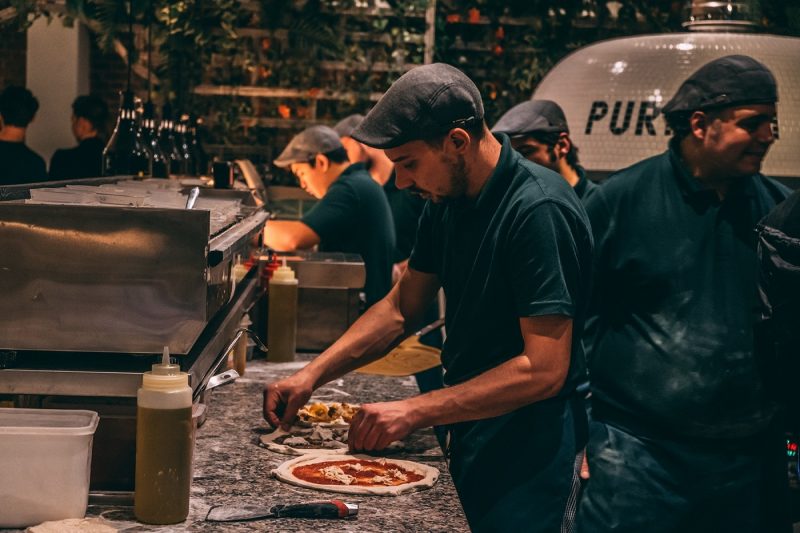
{"x": 510, "y": 244}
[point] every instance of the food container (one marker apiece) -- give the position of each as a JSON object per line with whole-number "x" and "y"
{"x": 44, "y": 459}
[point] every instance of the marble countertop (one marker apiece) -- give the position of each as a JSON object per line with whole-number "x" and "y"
{"x": 230, "y": 468}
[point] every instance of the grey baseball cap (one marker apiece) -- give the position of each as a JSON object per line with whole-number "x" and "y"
{"x": 307, "y": 144}
{"x": 725, "y": 82}
{"x": 424, "y": 102}
{"x": 345, "y": 127}
{"x": 533, "y": 116}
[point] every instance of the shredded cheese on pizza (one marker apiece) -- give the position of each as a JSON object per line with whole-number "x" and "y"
{"x": 334, "y": 473}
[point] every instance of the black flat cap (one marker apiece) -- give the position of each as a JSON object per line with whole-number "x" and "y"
{"x": 307, "y": 144}
{"x": 346, "y": 126}
{"x": 424, "y": 102}
{"x": 533, "y": 116}
{"x": 725, "y": 82}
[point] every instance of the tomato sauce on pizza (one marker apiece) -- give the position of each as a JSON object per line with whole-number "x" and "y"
{"x": 356, "y": 472}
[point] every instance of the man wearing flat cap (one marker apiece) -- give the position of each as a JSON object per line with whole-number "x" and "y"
{"x": 510, "y": 244}
{"x": 683, "y": 434}
{"x": 352, "y": 215}
{"x": 538, "y": 130}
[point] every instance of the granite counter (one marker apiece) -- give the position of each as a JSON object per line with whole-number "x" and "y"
{"x": 230, "y": 468}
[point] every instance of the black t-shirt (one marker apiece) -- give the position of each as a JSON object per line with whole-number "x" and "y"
{"x": 522, "y": 248}
{"x": 673, "y": 310}
{"x": 585, "y": 187}
{"x": 406, "y": 209}
{"x": 354, "y": 217}
{"x": 19, "y": 164}
{"x": 83, "y": 161}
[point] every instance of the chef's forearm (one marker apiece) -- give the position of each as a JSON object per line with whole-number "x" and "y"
{"x": 374, "y": 333}
{"x": 500, "y": 390}
{"x": 367, "y": 340}
{"x": 537, "y": 374}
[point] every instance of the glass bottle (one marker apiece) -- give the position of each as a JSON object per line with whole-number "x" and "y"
{"x": 124, "y": 153}
{"x": 158, "y": 164}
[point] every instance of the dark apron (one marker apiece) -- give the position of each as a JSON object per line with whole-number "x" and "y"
{"x": 514, "y": 472}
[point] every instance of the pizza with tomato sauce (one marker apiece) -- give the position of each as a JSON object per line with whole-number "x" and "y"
{"x": 357, "y": 474}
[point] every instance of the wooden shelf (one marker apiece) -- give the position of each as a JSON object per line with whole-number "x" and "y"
{"x": 280, "y": 92}
{"x": 503, "y": 21}
{"x": 378, "y": 66}
{"x": 374, "y": 12}
{"x": 285, "y": 123}
{"x": 475, "y": 47}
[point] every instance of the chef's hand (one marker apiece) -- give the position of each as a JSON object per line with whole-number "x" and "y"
{"x": 376, "y": 425}
{"x": 283, "y": 398}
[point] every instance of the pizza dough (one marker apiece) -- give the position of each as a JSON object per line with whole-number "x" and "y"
{"x": 301, "y": 441}
{"x": 318, "y": 439}
{"x": 340, "y": 473}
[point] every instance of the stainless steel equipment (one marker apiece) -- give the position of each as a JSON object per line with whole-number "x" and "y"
{"x": 92, "y": 289}
{"x": 104, "y": 277}
{"x": 328, "y": 300}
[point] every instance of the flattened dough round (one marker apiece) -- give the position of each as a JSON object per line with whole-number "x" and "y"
{"x": 268, "y": 442}
{"x": 429, "y": 475}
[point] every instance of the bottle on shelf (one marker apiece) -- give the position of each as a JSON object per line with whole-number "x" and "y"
{"x": 124, "y": 153}
{"x": 198, "y": 163}
{"x": 163, "y": 445}
{"x": 159, "y": 167}
{"x": 168, "y": 142}
{"x": 182, "y": 145}
{"x": 282, "y": 315}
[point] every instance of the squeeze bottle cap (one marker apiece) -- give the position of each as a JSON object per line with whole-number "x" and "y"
{"x": 284, "y": 274}
{"x": 165, "y": 376}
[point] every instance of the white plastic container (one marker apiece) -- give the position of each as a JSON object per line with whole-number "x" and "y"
{"x": 45, "y": 457}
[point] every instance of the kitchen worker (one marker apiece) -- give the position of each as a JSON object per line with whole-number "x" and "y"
{"x": 510, "y": 244}
{"x": 777, "y": 334}
{"x": 352, "y": 214}
{"x": 538, "y": 130}
{"x": 18, "y": 163}
{"x": 89, "y": 117}
{"x": 406, "y": 207}
{"x": 682, "y": 431}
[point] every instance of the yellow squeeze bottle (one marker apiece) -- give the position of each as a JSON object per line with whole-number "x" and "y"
{"x": 282, "y": 317}
{"x": 163, "y": 445}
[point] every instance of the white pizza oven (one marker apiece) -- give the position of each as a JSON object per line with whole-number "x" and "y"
{"x": 611, "y": 92}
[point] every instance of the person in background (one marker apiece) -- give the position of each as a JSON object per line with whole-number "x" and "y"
{"x": 18, "y": 163}
{"x": 406, "y": 207}
{"x": 538, "y": 130}
{"x": 777, "y": 332}
{"x": 352, "y": 215}
{"x": 683, "y": 434}
{"x": 89, "y": 116}
{"x": 510, "y": 244}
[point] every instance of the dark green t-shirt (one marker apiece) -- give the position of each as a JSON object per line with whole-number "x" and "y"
{"x": 406, "y": 209}
{"x": 673, "y": 308}
{"x": 585, "y": 187}
{"x": 522, "y": 248}
{"x": 354, "y": 217}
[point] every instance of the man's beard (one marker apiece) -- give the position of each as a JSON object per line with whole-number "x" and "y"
{"x": 456, "y": 179}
